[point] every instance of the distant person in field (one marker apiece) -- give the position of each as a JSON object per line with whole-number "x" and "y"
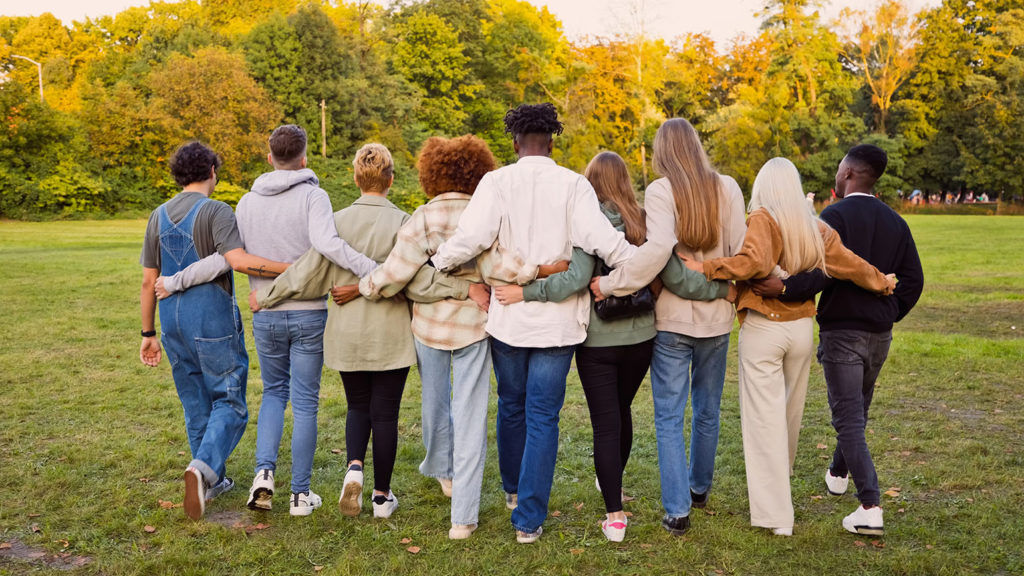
{"x": 539, "y": 210}
{"x": 285, "y": 215}
{"x": 855, "y": 325}
{"x": 201, "y": 327}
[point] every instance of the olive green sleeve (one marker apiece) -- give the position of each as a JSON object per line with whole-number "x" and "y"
{"x": 558, "y": 287}
{"x": 686, "y": 283}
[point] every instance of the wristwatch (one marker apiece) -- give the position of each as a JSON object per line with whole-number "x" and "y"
{"x": 783, "y": 293}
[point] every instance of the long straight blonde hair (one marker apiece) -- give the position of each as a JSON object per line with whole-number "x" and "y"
{"x": 777, "y": 189}
{"x": 608, "y": 174}
{"x": 679, "y": 156}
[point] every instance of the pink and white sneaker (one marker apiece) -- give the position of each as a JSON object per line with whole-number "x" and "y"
{"x": 614, "y": 530}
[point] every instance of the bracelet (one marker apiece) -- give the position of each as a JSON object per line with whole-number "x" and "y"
{"x": 148, "y": 333}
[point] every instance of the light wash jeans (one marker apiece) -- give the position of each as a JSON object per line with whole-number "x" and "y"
{"x": 291, "y": 351}
{"x": 454, "y": 413}
{"x": 531, "y": 390}
{"x": 680, "y": 363}
{"x": 201, "y": 331}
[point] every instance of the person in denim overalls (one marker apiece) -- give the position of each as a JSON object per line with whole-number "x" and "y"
{"x": 201, "y": 327}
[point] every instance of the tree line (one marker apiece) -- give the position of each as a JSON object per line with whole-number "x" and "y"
{"x": 941, "y": 91}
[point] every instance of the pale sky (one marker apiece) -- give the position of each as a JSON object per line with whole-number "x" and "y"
{"x": 723, "y": 20}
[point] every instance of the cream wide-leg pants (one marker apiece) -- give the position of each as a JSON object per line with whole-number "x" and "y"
{"x": 774, "y": 362}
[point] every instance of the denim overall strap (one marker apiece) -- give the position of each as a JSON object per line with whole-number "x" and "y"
{"x": 177, "y": 246}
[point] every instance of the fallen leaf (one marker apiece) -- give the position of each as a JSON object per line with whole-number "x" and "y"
{"x": 821, "y": 446}
{"x": 34, "y": 515}
{"x": 817, "y": 497}
{"x": 317, "y": 568}
{"x": 144, "y": 480}
{"x": 181, "y": 452}
{"x": 5, "y": 545}
{"x": 261, "y": 526}
{"x": 579, "y": 506}
{"x": 335, "y": 451}
{"x": 901, "y": 510}
{"x": 719, "y": 572}
{"x": 556, "y": 513}
{"x": 628, "y": 514}
{"x": 997, "y": 411}
{"x": 35, "y": 528}
{"x": 871, "y": 430}
{"x": 929, "y": 546}
{"x": 645, "y": 545}
{"x": 710, "y": 512}
{"x": 859, "y": 544}
{"x": 413, "y": 549}
{"x": 970, "y": 500}
{"x": 406, "y": 540}
{"x": 626, "y": 498}
{"x": 149, "y": 529}
{"x": 576, "y": 551}
{"x": 894, "y": 437}
{"x": 63, "y": 542}
{"x": 166, "y": 505}
{"x": 878, "y": 544}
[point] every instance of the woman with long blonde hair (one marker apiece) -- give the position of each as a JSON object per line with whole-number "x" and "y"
{"x": 693, "y": 209}
{"x": 776, "y": 338}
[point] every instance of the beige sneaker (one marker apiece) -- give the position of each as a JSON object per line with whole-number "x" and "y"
{"x": 446, "y": 486}
{"x": 461, "y": 531}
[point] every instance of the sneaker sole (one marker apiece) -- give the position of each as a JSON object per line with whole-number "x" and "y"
{"x": 302, "y": 510}
{"x": 262, "y": 499}
{"x": 831, "y": 493}
{"x": 194, "y": 504}
{"x": 351, "y": 499}
{"x": 867, "y": 530}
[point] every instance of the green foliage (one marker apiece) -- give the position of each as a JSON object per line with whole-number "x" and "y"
{"x": 941, "y": 92}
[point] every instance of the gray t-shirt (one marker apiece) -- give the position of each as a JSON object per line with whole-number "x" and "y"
{"x": 214, "y": 230}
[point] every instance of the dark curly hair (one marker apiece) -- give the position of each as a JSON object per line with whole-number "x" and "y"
{"x": 869, "y": 158}
{"x": 192, "y": 161}
{"x": 532, "y": 119}
{"x": 453, "y": 165}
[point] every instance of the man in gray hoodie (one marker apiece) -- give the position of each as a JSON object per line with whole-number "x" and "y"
{"x": 284, "y": 215}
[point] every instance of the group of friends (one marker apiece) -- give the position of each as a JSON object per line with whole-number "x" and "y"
{"x": 521, "y": 268}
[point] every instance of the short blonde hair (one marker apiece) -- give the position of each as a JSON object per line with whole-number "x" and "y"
{"x": 373, "y": 168}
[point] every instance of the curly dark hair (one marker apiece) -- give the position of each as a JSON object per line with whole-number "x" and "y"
{"x": 453, "y": 165}
{"x": 532, "y": 119}
{"x": 192, "y": 161}
{"x": 869, "y": 158}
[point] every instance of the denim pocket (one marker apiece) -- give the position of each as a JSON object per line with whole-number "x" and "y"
{"x": 841, "y": 348}
{"x": 217, "y": 356}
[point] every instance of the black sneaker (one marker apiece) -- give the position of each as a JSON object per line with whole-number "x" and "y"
{"x": 676, "y": 526}
{"x": 698, "y": 500}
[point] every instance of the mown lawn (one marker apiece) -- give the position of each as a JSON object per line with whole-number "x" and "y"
{"x": 91, "y": 443}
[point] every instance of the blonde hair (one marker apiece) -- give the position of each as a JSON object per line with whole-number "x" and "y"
{"x": 608, "y": 174}
{"x": 373, "y": 168}
{"x": 777, "y": 190}
{"x": 679, "y": 157}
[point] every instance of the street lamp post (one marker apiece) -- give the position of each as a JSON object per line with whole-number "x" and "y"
{"x": 39, "y": 67}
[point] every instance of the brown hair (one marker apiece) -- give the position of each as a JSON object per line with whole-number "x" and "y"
{"x": 608, "y": 174}
{"x": 288, "y": 144}
{"x": 679, "y": 157}
{"x": 453, "y": 165}
{"x": 373, "y": 168}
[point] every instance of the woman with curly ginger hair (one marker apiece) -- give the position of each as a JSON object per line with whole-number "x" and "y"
{"x": 450, "y": 331}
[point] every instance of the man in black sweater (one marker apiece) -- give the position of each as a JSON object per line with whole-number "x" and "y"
{"x": 856, "y": 325}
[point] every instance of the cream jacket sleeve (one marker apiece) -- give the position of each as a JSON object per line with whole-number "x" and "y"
{"x": 649, "y": 259}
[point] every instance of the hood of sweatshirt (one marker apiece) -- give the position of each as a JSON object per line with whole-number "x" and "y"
{"x": 278, "y": 181}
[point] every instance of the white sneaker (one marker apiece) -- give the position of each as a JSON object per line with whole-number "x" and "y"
{"x": 529, "y": 537}
{"x": 446, "y": 486}
{"x": 461, "y": 531}
{"x": 351, "y": 500}
{"x": 782, "y": 531}
{"x": 384, "y": 505}
{"x": 303, "y": 503}
{"x": 195, "y": 493}
{"x": 262, "y": 491}
{"x": 836, "y": 486}
{"x": 867, "y": 521}
{"x": 225, "y": 485}
{"x": 614, "y": 530}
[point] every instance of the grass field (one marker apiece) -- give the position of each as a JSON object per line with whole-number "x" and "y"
{"x": 91, "y": 443}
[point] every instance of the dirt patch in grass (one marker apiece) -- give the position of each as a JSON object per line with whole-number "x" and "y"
{"x": 17, "y": 551}
{"x": 226, "y": 518}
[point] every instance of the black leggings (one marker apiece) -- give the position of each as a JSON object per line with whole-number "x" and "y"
{"x": 611, "y": 376}
{"x": 373, "y": 401}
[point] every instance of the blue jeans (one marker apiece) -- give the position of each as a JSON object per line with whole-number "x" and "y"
{"x": 454, "y": 413}
{"x": 201, "y": 331}
{"x": 851, "y": 361}
{"x": 680, "y": 363}
{"x": 531, "y": 390}
{"x": 291, "y": 352}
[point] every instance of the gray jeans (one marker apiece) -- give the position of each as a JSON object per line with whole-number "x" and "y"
{"x": 851, "y": 361}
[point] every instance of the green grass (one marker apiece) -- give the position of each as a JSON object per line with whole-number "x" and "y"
{"x": 91, "y": 441}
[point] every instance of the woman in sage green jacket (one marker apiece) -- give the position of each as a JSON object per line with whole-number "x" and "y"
{"x": 616, "y": 354}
